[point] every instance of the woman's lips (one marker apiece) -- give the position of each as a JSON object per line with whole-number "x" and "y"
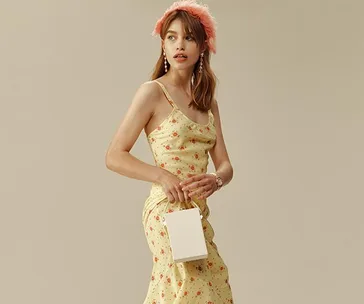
{"x": 180, "y": 59}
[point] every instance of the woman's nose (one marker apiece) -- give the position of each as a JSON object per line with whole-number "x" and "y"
{"x": 180, "y": 45}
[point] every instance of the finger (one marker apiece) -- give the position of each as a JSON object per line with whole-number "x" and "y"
{"x": 175, "y": 195}
{"x": 170, "y": 197}
{"x": 200, "y": 190}
{"x": 191, "y": 179}
{"x": 206, "y": 194}
{"x": 179, "y": 193}
{"x": 196, "y": 184}
{"x": 181, "y": 196}
{"x": 187, "y": 198}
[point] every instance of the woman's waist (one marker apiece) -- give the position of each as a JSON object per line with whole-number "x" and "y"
{"x": 157, "y": 193}
{"x": 182, "y": 166}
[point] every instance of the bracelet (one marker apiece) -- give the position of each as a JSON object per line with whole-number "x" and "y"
{"x": 219, "y": 181}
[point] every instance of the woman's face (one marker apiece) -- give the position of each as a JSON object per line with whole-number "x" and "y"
{"x": 178, "y": 42}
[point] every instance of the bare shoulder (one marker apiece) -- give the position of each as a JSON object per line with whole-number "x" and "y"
{"x": 147, "y": 95}
{"x": 150, "y": 87}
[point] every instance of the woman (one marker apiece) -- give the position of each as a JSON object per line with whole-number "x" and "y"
{"x": 180, "y": 117}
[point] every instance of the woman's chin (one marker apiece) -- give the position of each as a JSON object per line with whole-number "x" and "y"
{"x": 181, "y": 68}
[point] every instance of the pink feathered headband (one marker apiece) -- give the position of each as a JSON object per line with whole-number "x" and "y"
{"x": 201, "y": 12}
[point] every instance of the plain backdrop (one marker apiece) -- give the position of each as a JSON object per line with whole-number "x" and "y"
{"x": 289, "y": 225}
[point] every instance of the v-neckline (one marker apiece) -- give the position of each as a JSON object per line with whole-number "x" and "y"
{"x": 170, "y": 99}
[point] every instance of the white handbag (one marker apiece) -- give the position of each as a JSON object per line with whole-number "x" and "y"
{"x": 185, "y": 232}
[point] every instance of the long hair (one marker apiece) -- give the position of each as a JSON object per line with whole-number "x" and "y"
{"x": 203, "y": 84}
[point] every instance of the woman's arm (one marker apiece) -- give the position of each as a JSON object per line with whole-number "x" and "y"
{"x": 118, "y": 158}
{"x": 219, "y": 152}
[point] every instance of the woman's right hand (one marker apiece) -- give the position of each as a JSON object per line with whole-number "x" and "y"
{"x": 171, "y": 187}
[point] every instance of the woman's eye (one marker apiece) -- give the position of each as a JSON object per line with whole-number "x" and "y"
{"x": 169, "y": 37}
{"x": 189, "y": 38}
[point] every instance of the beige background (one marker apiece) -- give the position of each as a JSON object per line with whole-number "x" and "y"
{"x": 289, "y": 225}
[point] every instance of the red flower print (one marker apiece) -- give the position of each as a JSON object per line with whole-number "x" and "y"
{"x": 152, "y": 278}
{"x": 162, "y": 233}
{"x": 155, "y": 259}
{"x": 178, "y": 171}
{"x": 210, "y": 284}
{"x": 175, "y": 134}
{"x": 153, "y": 242}
{"x": 204, "y": 227}
{"x": 168, "y": 147}
{"x": 151, "y": 228}
{"x": 159, "y": 127}
{"x": 162, "y": 165}
{"x": 200, "y": 130}
{"x": 193, "y": 140}
{"x": 174, "y": 121}
{"x": 161, "y": 276}
{"x": 210, "y": 264}
{"x": 222, "y": 268}
{"x": 192, "y": 167}
{"x": 162, "y": 251}
{"x": 207, "y": 128}
{"x": 180, "y": 284}
{"x": 181, "y": 147}
{"x": 170, "y": 210}
{"x": 157, "y": 218}
{"x": 186, "y": 293}
{"x": 198, "y": 293}
{"x": 169, "y": 280}
{"x": 192, "y": 279}
{"x": 189, "y": 127}
{"x": 162, "y": 295}
{"x": 176, "y": 158}
{"x": 196, "y": 155}
{"x": 154, "y": 302}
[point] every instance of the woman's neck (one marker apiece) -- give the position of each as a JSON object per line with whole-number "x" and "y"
{"x": 179, "y": 79}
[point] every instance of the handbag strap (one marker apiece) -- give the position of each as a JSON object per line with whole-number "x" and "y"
{"x": 192, "y": 202}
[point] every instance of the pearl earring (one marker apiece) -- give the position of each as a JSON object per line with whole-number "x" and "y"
{"x": 165, "y": 62}
{"x": 201, "y": 63}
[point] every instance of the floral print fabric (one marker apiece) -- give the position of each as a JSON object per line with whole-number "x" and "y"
{"x": 181, "y": 146}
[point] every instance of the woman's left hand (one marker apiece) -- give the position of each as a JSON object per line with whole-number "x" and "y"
{"x": 202, "y": 184}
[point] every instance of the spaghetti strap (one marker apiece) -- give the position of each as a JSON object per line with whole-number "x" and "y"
{"x": 169, "y": 98}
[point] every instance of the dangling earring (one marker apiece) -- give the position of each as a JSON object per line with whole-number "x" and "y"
{"x": 165, "y": 62}
{"x": 201, "y": 63}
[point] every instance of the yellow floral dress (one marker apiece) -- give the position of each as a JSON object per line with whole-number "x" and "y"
{"x": 181, "y": 146}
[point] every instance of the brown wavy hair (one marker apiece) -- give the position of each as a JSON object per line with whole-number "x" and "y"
{"x": 203, "y": 84}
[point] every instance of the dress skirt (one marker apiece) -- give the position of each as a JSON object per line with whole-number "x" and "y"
{"x": 204, "y": 281}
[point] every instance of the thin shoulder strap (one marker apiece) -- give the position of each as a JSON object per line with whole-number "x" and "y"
{"x": 169, "y": 98}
